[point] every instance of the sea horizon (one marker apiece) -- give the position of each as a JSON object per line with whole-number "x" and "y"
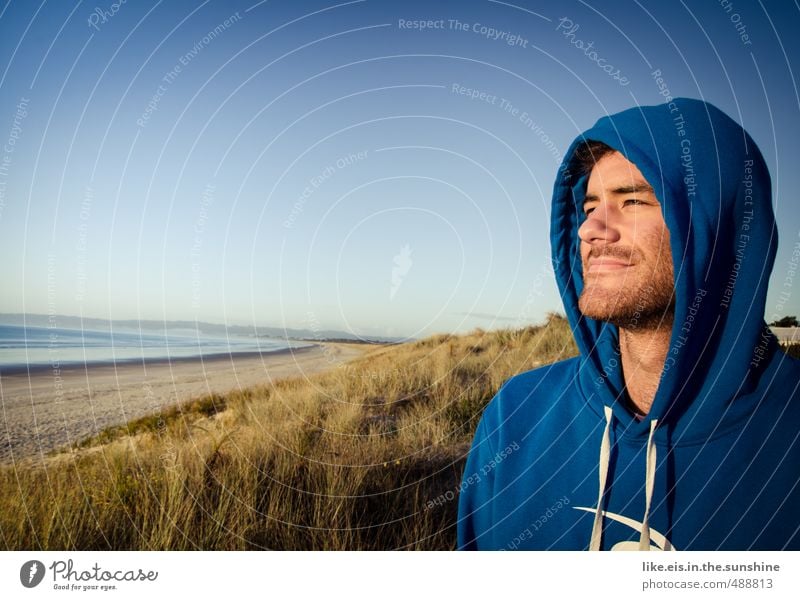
{"x": 25, "y": 348}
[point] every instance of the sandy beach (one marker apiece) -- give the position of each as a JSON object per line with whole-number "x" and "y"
{"x": 47, "y": 410}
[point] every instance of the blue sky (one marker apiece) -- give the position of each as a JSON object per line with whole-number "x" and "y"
{"x": 323, "y": 164}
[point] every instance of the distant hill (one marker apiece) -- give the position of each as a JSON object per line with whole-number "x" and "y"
{"x": 72, "y": 322}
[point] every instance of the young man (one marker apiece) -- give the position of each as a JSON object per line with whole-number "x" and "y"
{"x": 678, "y": 426}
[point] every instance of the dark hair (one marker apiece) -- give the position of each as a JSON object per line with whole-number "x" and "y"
{"x": 588, "y": 153}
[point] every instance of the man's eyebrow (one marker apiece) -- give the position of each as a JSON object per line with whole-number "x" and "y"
{"x": 636, "y": 188}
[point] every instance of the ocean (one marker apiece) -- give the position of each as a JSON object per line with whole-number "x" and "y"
{"x": 23, "y": 348}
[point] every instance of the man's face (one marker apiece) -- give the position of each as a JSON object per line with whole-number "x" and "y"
{"x": 628, "y": 275}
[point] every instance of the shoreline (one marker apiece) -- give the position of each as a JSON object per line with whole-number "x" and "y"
{"x": 44, "y": 411}
{"x": 36, "y": 369}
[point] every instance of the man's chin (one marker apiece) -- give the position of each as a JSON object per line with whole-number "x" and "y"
{"x": 604, "y": 314}
{"x": 603, "y": 303}
{"x": 625, "y": 311}
{"x": 599, "y": 299}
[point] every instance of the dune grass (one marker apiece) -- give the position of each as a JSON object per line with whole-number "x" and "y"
{"x": 346, "y": 459}
{"x": 792, "y": 350}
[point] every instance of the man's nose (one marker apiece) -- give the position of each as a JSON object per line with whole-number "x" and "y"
{"x": 601, "y": 225}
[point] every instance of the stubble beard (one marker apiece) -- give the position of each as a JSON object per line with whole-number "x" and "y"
{"x": 645, "y": 299}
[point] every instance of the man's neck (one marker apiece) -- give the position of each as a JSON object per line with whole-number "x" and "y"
{"x": 643, "y": 352}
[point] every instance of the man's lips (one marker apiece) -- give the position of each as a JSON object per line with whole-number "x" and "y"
{"x": 606, "y": 264}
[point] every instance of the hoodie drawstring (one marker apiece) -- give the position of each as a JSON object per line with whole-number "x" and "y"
{"x": 605, "y": 452}
{"x": 649, "y": 482}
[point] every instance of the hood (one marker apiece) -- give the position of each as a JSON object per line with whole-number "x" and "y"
{"x": 715, "y": 193}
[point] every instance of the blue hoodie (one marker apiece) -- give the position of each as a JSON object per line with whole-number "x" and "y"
{"x": 559, "y": 462}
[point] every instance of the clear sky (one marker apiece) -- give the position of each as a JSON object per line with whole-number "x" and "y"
{"x": 328, "y": 165}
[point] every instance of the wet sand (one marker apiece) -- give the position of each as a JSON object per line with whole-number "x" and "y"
{"x": 49, "y": 409}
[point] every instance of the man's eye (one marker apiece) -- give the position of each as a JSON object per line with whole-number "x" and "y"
{"x": 633, "y": 201}
{"x": 588, "y": 211}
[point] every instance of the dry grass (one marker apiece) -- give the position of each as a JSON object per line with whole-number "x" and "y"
{"x": 347, "y": 459}
{"x": 792, "y": 350}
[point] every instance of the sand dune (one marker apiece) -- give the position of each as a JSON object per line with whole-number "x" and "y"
{"x": 47, "y": 410}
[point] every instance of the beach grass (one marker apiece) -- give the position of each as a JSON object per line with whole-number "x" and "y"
{"x": 792, "y": 350}
{"x": 366, "y": 455}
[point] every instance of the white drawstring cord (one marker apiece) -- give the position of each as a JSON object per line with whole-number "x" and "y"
{"x": 605, "y": 452}
{"x": 649, "y": 483}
